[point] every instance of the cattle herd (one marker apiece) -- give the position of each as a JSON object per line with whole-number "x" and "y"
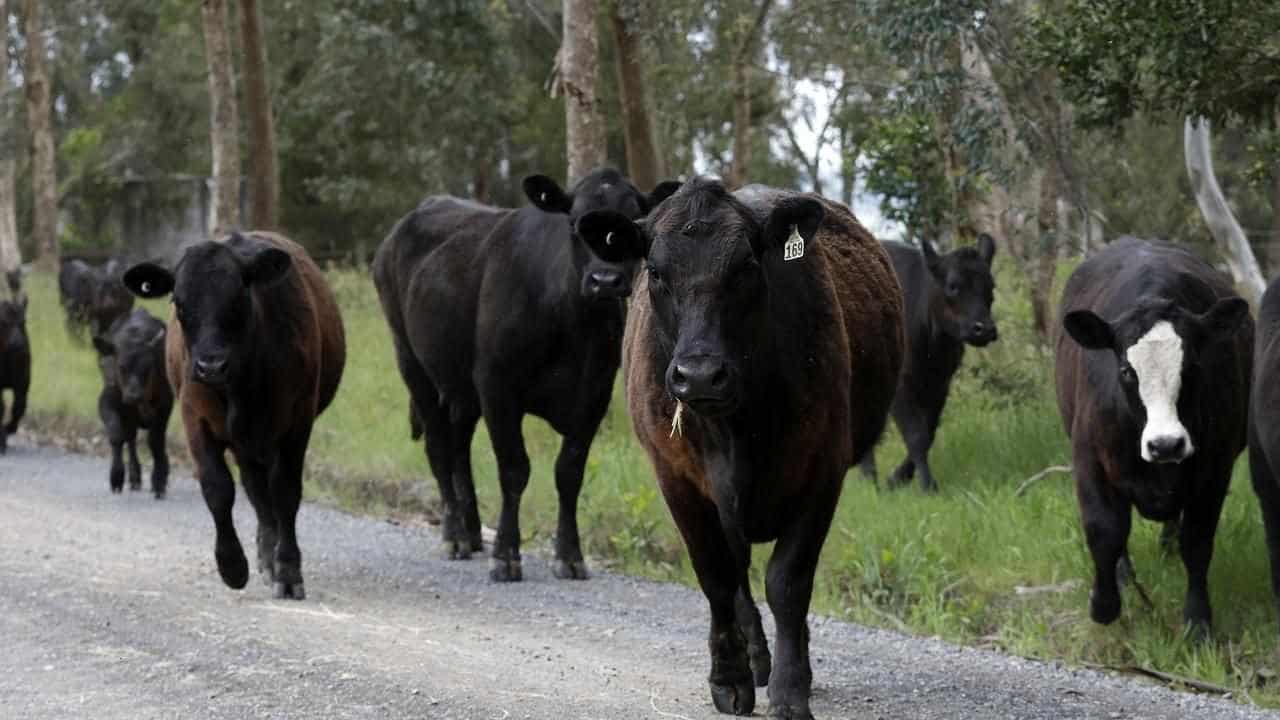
{"x": 767, "y": 340}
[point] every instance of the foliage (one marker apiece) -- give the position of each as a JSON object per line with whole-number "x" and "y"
{"x": 1167, "y": 58}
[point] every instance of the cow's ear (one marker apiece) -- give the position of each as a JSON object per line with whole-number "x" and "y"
{"x": 932, "y": 260}
{"x": 796, "y": 214}
{"x": 986, "y": 248}
{"x": 613, "y": 237}
{"x": 148, "y": 280}
{"x": 266, "y": 266}
{"x": 661, "y": 192}
{"x": 1089, "y": 330}
{"x": 546, "y": 194}
{"x": 1223, "y": 319}
{"x": 104, "y": 346}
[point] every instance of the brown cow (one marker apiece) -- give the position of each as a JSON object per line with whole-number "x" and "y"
{"x": 762, "y": 351}
{"x": 255, "y": 351}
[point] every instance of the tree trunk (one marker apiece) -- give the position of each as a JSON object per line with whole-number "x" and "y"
{"x": 264, "y": 179}
{"x": 643, "y": 162}
{"x": 1273, "y": 251}
{"x": 44, "y": 171}
{"x": 10, "y": 256}
{"x": 1226, "y": 232}
{"x": 1046, "y": 257}
{"x": 224, "y": 127}
{"x": 584, "y": 122}
{"x": 742, "y": 58}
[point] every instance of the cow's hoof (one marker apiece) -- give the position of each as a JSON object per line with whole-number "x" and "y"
{"x": 571, "y": 570}
{"x": 477, "y": 543}
{"x": 736, "y": 699}
{"x": 288, "y": 591}
{"x": 789, "y": 712}
{"x": 761, "y": 666}
{"x": 1104, "y": 611}
{"x": 135, "y": 484}
{"x": 504, "y": 570}
{"x": 234, "y": 569}
{"x": 454, "y": 550}
{"x": 1197, "y": 632}
{"x": 160, "y": 494}
{"x": 116, "y": 489}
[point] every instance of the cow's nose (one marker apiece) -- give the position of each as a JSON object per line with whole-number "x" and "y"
{"x": 699, "y": 378}
{"x": 979, "y": 328}
{"x": 211, "y": 367}
{"x": 1167, "y": 448}
{"x": 608, "y": 282}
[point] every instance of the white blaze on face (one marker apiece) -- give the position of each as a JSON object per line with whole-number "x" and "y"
{"x": 1157, "y": 360}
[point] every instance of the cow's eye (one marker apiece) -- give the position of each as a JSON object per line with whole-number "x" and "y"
{"x": 655, "y": 276}
{"x": 1127, "y": 375}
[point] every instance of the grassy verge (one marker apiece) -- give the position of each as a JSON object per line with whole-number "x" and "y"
{"x": 977, "y": 564}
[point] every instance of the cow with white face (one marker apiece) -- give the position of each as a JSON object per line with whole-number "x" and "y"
{"x": 1153, "y": 374}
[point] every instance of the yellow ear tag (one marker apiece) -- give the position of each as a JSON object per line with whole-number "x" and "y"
{"x": 794, "y": 249}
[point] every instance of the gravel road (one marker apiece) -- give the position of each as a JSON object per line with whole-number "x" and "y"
{"x": 110, "y": 608}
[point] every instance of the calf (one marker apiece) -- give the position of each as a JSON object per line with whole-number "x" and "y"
{"x": 762, "y": 349}
{"x": 15, "y": 357}
{"x": 135, "y": 394}
{"x": 947, "y": 299}
{"x": 1264, "y": 425}
{"x": 1153, "y": 380}
{"x": 254, "y": 353}
{"x": 93, "y": 297}
{"x": 501, "y": 313}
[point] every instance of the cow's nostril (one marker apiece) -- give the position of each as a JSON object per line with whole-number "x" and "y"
{"x": 979, "y": 328}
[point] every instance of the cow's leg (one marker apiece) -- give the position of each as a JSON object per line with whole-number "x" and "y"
{"x": 255, "y": 478}
{"x": 220, "y": 495}
{"x": 113, "y": 424}
{"x": 286, "y": 496}
{"x": 789, "y": 588}
{"x": 464, "y": 484}
{"x": 757, "y": 644}
{"x": 17, "y": 411}
{"x": 918, "y": 435}
{"x": 159, "y": 459}
{"x": 503, "y": 420}
{"x": 1265, "y": 487}
{"x": 570, "y": 466}
{"x": 4, "y": 428}
{"x": 1199, "y": 525}
{"x": 1107, "y": 521}
{"x": 135, "y": 466}
{"x": 732, "y": 685}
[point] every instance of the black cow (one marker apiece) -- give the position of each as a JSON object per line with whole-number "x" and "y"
{"x": 254, "y": 352}
{"x": 93, "y": 297}
{"x": 1264, "y": 425}
{"x": 135, "y": 394}
{"x": 947, "y": 300}
{"x": 1153, "y": 384}
{"x": 762, "y": 350}
{"x": 15, "y": 357}
{"x": 498, "y": 313}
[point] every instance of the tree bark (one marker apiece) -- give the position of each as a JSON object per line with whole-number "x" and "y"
{"x": 10, "y": 255}
{"x": 264, "y": 178}
{"x": 224, "y": 126}
{"x": 44, "y": 171}
{"x": 1273, "y": 251}
{"x": 584, "y": 122}
{"x": 644, "y": 165}
{"x": 1226, "y": 232}
{"x": 742, "y": 57}
{"x": 1046, "y": 257}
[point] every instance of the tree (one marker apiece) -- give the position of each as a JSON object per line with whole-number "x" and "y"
{"x": 584, "y": 122}
{"x": 44, "y": 173}
{"x": 10, "y": 257}
{"x": 264, "y": 179}
{"x": 224, "y": 127}
{"x": 748, "y": 33}
{"x": 1168, "y": 58}
{"x": 644, "y": 164}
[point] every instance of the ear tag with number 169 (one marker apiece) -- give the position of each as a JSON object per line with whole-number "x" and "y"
{"x": 794, "y": 249}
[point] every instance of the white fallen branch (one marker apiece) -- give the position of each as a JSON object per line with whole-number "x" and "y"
{"x": 1043, "y": 473}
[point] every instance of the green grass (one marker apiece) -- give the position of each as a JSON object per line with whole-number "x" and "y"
{"x": 946, "y": 565}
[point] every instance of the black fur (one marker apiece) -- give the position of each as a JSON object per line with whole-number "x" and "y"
{"x": 15, "y": 357}
{"x": 93, "y": 297}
